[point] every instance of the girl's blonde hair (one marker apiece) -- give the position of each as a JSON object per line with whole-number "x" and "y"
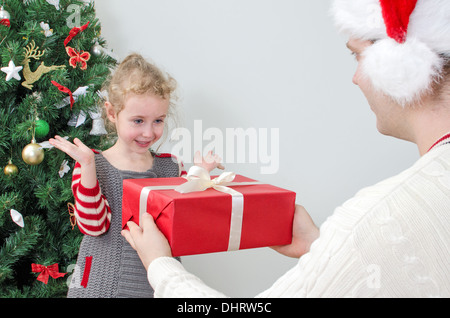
{"x": 135, "y": 75}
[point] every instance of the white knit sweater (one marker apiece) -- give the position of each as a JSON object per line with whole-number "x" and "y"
{"x": 390, "y": 240}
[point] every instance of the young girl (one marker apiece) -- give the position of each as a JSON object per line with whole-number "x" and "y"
{"x": 138, "y": 107}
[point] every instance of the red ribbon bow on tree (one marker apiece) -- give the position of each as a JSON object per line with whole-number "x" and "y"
{"x": 78, "y": 57}
{"x": 74, "y": 33}
{"x": 46, "y": 271}
{"x": 67, "y": 91}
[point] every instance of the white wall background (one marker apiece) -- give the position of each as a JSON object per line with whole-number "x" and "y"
{"x": 264, "y": 64}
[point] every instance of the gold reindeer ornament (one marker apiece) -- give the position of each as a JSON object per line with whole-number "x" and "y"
{"x": 31, "y": 51}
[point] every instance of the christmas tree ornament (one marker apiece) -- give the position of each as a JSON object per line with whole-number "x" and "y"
{"x": 76, "y": 58}
{"x": 42, "y": 128}
{"x": 11, "y": 169}
{"x": 12, "y": 71}
{"x": 17, "y": 218}
{"x": 97, "y": 49}
{"x": 46, "y": 29}
{"x": 5, "y": 17}
{"x": 31, "y": 51}
{"x": 64, "y": 168}
{"x": 33, "y": 154}
{"x": 46, "y": 271}
{"x": 73, "y": 219}
{"x": 54, "y": 3}
{"x": 64, "y": 89}
{"x": 74, "y": 32}
{"x": 98, "y": 124}
{"x": 77, "y": 120}
{"x": 47, "y": 145}
{"x": 81, "y": 91}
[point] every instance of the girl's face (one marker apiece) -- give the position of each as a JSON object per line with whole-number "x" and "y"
{"x": 140, "y": 124}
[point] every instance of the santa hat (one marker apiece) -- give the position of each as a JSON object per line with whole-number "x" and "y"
{"x": 412, "y": 42}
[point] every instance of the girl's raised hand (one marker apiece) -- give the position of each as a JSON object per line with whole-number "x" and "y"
{"x": 76, "y": 150}
{"x": 210, "y": 162}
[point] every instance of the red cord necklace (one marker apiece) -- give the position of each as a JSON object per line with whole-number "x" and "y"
{"x": 441, "y": 141}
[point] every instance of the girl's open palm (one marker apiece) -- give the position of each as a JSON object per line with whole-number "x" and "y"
{"x": 76, "y": 150}
{"x": 210, "y": 162}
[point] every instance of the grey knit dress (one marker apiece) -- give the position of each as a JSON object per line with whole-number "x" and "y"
{"x": 116, "y": 270}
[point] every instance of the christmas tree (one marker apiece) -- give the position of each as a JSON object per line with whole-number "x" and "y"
{"x": 53, "y": 65}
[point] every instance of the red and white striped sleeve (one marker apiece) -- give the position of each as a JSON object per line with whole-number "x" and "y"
{"x": 92, "y": 210}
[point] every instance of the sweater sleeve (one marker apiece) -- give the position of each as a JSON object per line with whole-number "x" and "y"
{"x": 92, "y": 210}
{"x": 170, "y": 279}
{"x": 309, "y": 278}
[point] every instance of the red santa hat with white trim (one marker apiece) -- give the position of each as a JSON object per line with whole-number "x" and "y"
{"x": 411, "y": 42}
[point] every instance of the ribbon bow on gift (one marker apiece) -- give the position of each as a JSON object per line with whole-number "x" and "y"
{"x": 46, "y": 271}
{"x": 200, "y": 180}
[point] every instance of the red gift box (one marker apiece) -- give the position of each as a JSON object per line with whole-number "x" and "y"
{"x": 249, "y": 215}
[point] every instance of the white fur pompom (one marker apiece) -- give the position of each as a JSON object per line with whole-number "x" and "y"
{"x": 401, "y": 71}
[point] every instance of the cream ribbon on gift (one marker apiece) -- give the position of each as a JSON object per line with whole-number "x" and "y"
{"x": 200, "y": 180}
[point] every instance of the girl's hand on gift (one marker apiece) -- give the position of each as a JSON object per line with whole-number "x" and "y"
{"x": 210, "y": 162}
{"x": 304, "y": 233}
{"x": 76, "y": 150}
{"x": 147, "y": 240}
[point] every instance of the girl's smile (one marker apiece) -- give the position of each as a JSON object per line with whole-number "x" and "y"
{"x": 144, "y": 144}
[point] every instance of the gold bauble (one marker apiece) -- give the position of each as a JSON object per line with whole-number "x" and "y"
{"x": 33, "y": 154}
{"x": 11, "y": 169}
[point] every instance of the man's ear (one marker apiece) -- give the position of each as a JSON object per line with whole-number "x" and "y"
{"x": 110, "y": 112}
